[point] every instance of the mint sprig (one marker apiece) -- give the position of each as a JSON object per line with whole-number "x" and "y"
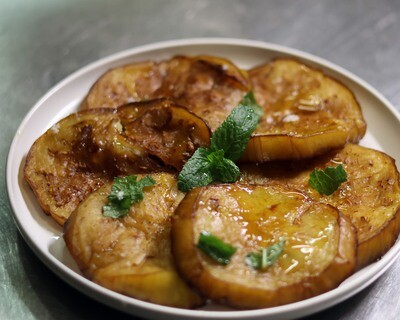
{"x": 125, "y": 191}
{"x": 250, "y": 100}
{"x": 327, "y": 181}
{"x": 215, "y": 248}
{"x": 266, "y": 257}
{"x": 227, "y": 144}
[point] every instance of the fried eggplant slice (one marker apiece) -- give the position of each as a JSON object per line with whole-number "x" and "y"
{"x": 164, "y": 129}
{"x": 132, "y": 254}
{"x": 370, "y": 197}
{"x": 209, "y": 86}
{"x": 306, "y": 113}
{"x": 318, "y": 254}
{"x": 83, "y": 151}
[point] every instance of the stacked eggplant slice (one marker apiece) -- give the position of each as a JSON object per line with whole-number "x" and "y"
{"x": 268, "y": 239}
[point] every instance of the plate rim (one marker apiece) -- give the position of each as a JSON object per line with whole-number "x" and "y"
{"x": 112, "y": 298}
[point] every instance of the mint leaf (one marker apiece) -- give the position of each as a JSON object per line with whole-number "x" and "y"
{"x": 327, "y": 181}
{"x": 196, "y": 172}
{"x": 224, "y": 170}
{"x": 125, "y": 191}
{"x": 228, "y": 142}
{"x": 137, "y": 189}
{"x": 234, "y": 133}
{"x": 267, "y": 256}
{"x": 215, "y": 248}
{"x": 206, "y": 166}
{"x": 250, "y": 100}
{"x": 115, "y": 211}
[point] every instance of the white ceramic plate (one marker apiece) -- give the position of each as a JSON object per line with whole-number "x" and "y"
{"x": 44, "y": 236}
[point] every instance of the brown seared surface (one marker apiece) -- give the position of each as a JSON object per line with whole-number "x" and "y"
{"x": 319, "y": 250}
{"x": 370, "y": 196}
{"x": 209, "y": 86}
{"x": 86, "y": 149}
{"x": 132, "y": 254}
{"x": 306, "y": 112}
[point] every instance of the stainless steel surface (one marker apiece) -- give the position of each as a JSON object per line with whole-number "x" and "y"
{"x": 41, "y": 42}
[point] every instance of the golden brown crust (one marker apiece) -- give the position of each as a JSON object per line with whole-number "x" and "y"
{"x": 370, "y": 196}
{"x": 131, "y": 255}
{"x": 307, "y": 113}
{"x": 319, "y": 252}
{"x": 376, "y": 246}
{"x": 55, "y": 174}
{"x": 209, "y": 86}
{"x": 89, "y": 148}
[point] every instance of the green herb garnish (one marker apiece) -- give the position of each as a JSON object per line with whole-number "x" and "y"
{"x": 267, "y": 256}
{"x": 327, "y": 181}
{"x": 215, "y": 248}
{"x": 250, "y": 100}
{"x": 227, "y": 144}
{"x": 125, "y": 192}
